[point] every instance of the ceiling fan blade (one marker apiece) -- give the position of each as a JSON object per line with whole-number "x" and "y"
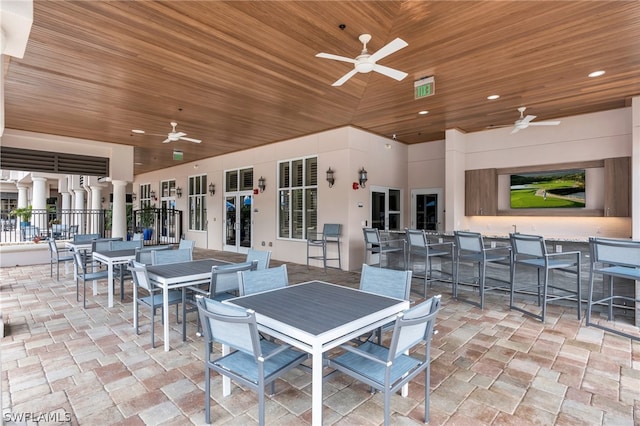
{"x": 390, "y": 48}
{"x": 515, "y": 130}
{"x": 190, "y": 139}
{"x": 335, "y": 57}
{"x": 345, "y": 77}
{"x": 178, "y": 134}
{"x": 545, "y": 123}
{"x": 167, "y": 140}
{"x": 527, "y": 119}
{"x": 390, "y": 72}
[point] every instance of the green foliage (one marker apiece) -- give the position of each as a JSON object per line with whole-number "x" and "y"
{"x": 24, "y": 213}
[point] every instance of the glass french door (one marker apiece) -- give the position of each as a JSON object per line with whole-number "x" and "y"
{"x": 386, "y": 209}
{"x": 238, "y": 222}
{"x": 427, "y": 209}
{"x": 167, "y": 216}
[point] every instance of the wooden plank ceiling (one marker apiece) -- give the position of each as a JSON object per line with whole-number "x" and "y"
{"x": 241, "y": 74}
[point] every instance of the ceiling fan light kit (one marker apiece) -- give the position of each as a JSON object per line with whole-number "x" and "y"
{"x": 366, "y": 62}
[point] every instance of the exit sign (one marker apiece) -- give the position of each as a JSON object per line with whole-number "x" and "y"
{"x": 424, "y": 87}
{"x": 177, "y": 155}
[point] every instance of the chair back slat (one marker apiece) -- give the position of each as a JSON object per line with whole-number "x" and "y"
{"x": 229, "y": 325}
{"x": 187, "y": 244}
{"x": 331, "y": 230}
{"x": 144, "y": 255}
{"x": 416, "y": 238}
{"x": 371, "y": 235}
{"x": 224, "y": 278}
{"x": 140, "y": 276}
{"x": 386, "y": 282}
{"x": 126, "y": 245}
{"x": 53, "y": 247}
{"x": 263, "y": 280}
{"x": 79, "y": 238}
{"x": 414, "y": 326}
{"x": 100, "y": 245}
{"x": 79, "y": 263}
{"x": 529, "y": 245}
{"x": 159, "y": 257}
{"x": 262, "y": 256}
{"x": 469, "y": 241}
{"x": 615, "y": 252}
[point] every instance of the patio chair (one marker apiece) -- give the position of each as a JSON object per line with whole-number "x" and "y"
{"x": 262, "y": 256}
{"x": 254, "y": 363}
{"x": 28, "y": 233}
{"x": 374, "y": 244}
{"x": 186, "y": 244}
{"x": 470, "y": 247}
{"x": 171, "y": 256}
{"x": 145, "y": 255}
{"x": 330, "y": 235}
{"x": 121, "y": 272}
{"x": 418, "y": 246}
{"x": 145, "y": 293}
{"x": 613, "y": 258}
{"x": 385, "y": 282}
{"x": 72, "y": 231}
{"x": 138, "y": 236}
{"x": 389, "y": 368}
{"x": 531, "y": 251}
{"x": 79, "y": 238}
{"x": 85, "y": 271}
{"x": 58, "y": 256}
{"x": 224, "y": 285}
{"x": 263, "y": 280}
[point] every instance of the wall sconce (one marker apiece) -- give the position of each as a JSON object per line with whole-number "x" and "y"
{"x": 179, "y": 192}
{"x": 212, "y": 189}
{"x": 261, "y": 184}
{"x": 362, "y": 177}
{"x": 330, "y": 177}
{"x": 133, "y": 196}
{"x": 102, "y": 200}
{"x": 152, "y": 194}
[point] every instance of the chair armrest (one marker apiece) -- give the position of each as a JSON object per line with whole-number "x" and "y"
{"x": 448, "y": 245}
{"x": 497, "y": 248}
{"x": 565, "y": 253}
{"x": 271, "y": 354}
{"x": 363, "y": 354}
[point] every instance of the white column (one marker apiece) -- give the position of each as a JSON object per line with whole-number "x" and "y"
{"x": 63, "y": 188}
{"x": 119, "y": 209}
{"x": 455, "y": 148}
{"x": 96, "y": 204}
{"x": 39, "y": 202}
{"x": 23, "y": 195}
{"x": 79, "y": 207}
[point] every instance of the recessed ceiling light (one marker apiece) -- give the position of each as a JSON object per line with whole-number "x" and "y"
{"x": 138, "y": 164}
{"x": 596, "y": 73}
{"x": 137, "y": 131}
{"x": 424, "y": 112}
{"x": 492, "y": 97}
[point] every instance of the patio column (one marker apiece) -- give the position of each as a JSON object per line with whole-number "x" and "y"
{"x": 39, "y": 202}
{"x": 79, "y": 207}
{"x": 23, "y": 195}
{"x": 119, "y": 209}
{"x": 63, "y": 189}
{"x": 96, "y": 204}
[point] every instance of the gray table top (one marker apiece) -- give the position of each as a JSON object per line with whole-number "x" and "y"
{"x": 175, "y": 270}
{"x": 315, "y": 307}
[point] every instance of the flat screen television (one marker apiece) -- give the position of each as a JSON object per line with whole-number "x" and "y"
{"x": 553, "y": 189}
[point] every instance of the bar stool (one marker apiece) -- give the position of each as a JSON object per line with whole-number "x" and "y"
{"x": 613, "y": 258}
{"x": 470, "y": 248}
{"x": 418, "y": 245}
{"x": 531, "y": 250}
{"x": 330, "y": 235}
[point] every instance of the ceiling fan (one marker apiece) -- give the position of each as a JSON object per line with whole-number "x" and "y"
{"x": 524, "y": 122}
{"x": 172, "y": 136}
{"x": 366, "y": 62}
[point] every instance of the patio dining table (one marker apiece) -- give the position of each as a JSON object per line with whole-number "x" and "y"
{"x": 315, "y": 317}
{"x": 110, "y": 258}
{"x": 177, "y": 275}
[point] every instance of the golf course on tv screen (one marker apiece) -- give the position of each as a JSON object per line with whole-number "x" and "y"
{"x": 555, "y": 189}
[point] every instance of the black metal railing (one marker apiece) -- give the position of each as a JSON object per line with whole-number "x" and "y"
{"x": 46, "y": 223}
{"x": 158, "y": 226}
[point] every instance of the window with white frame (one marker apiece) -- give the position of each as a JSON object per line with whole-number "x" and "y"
{"x": 298, "y": 197}
{"x": 197, "y": 203}
{"x": 145, "y": 196}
